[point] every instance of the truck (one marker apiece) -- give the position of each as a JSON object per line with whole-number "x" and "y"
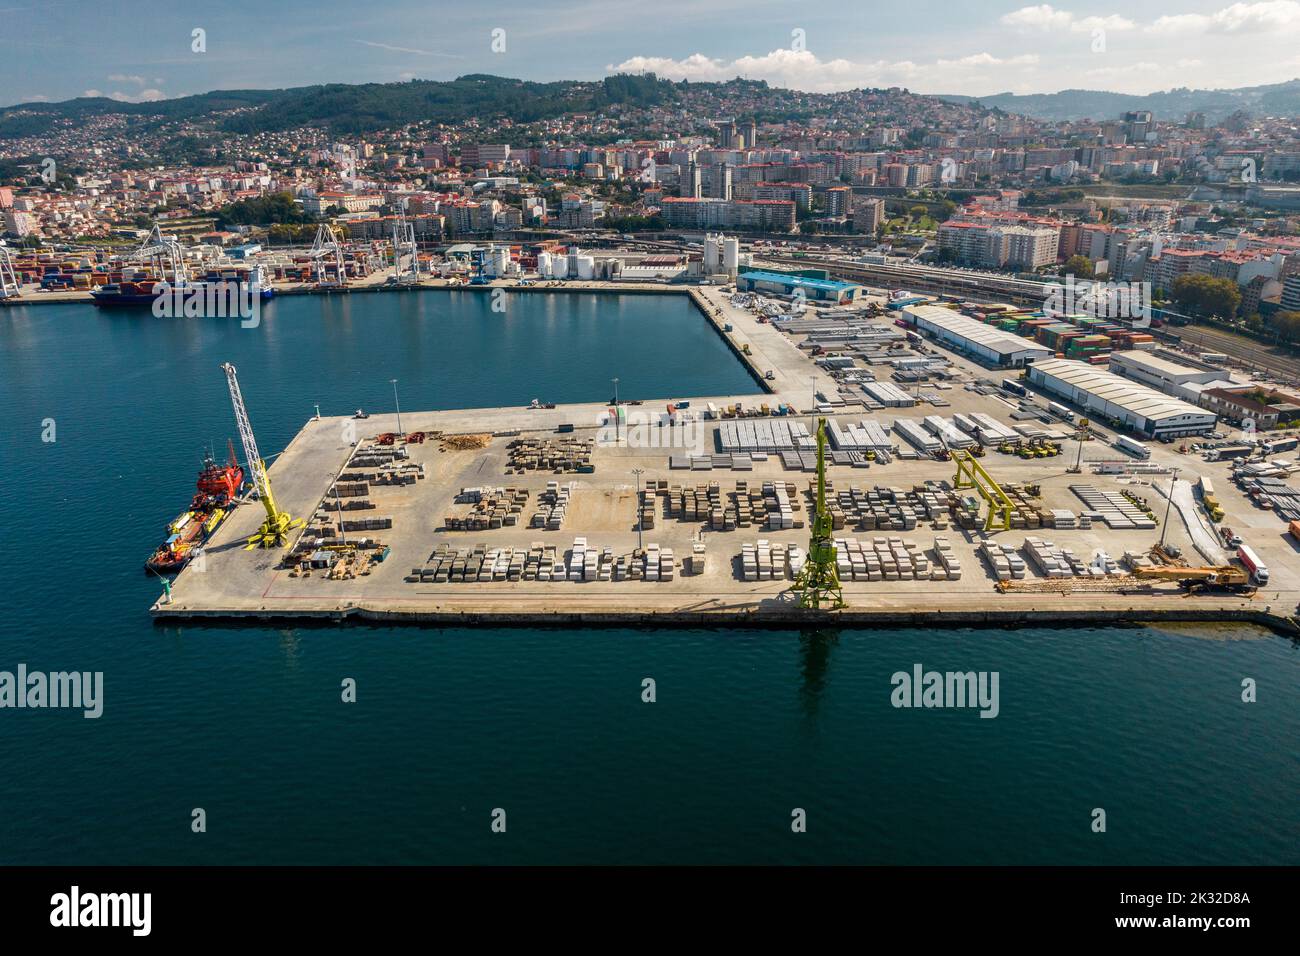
{"x": 1231, "y": 452}
{"x": 1251, "y": 562}
{"x": 1014, "y": 387}
{"x": 1060, "y": 411}
{"x": 1132, "y": 447}
{"x": 1280, "y": 444}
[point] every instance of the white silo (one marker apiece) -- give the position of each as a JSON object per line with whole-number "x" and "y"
{"x": 712, "y": 253}
{"x": 560, "y": 267}
{"x": 586, "y": 267}
{"x": 501, "y": 261}
{"x": 731, "y": 257}
{"x": 543, "y": 264}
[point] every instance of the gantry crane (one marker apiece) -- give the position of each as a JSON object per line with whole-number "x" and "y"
{"x": 274, "y": 532}
{"x": 971, "y": 474}
{"x": 164, "y": 256}
{"x": 326, "y": 251}
{"x": 404, "y": 245}
{"x": 8, "y": 277}
{"x": 818, "y": 583}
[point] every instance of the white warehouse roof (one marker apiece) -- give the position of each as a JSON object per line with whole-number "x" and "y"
{"x": 1119, "y": 391}
{"x": 993, "y": 339}
{"x": 1162, "y": 367}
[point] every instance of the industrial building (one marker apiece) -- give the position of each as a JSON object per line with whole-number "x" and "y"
{"x": 989, "y": 345}
{"x": 783, "y": 283}
{"x": 1114, "y": 398}
{"x": 1182, "y": 379}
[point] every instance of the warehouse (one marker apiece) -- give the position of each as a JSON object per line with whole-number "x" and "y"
{"x": 987, "y": 344}
{"x": 1115, "y": 398}
{"x": 781, "y": 283}
{"x": 1161, "y": 371}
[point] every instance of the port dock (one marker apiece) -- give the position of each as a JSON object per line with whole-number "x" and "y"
{"x": 432, "y": 506}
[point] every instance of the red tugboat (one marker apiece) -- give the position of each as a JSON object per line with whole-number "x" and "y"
{"x": 218, "y": 487}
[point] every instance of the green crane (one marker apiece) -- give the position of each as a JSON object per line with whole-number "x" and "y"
{"x": 818, "y": 583}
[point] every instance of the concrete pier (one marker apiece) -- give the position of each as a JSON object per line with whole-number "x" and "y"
{"x": 233, "y": 583}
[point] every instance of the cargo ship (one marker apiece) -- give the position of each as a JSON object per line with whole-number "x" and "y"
{"x": 144, "y": 292}
{"x": 217, "y": 490}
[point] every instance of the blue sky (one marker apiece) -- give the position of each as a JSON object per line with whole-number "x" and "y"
{"x": 137, "y": 50}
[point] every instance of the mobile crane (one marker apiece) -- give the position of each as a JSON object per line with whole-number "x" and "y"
{"x": 275, "y": 529}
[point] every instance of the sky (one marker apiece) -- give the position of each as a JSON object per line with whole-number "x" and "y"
{"x": 136, "y": 50}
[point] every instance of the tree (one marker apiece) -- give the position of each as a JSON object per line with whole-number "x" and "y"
{"x": 1286, "y": 325}
{"x": 1206, "y": 296}
{"x": 1079, "y": 266}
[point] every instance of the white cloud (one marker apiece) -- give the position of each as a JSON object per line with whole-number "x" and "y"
{"x": 1268, "y": 16}
{"x": 802, "y": 70}
{"x": 127, "y": 78}
{"x": 1127, "y": 70}
{"x": 150, "y": 95}
{"x": 1042, "y": 17}
{"x": 1046, "y": 17}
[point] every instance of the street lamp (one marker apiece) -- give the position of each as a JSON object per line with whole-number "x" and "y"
{"x": 399, "y": 406}
{"x": 616, "y": 432}
{"x": 1168, "y": 507}
{"x": 637, "y": 473}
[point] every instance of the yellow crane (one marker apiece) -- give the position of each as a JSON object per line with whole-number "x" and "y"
{"x": 1225, "y": 576}
{"x": 275, "y": 529}
{"x": 971, "y": 474}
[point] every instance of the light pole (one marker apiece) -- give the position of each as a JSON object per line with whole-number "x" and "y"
{"x": 1168, "y": 507}
{"x": 637, "y": 473}
{"x": 399, "y": 407}
{"x": 617, "y": 437}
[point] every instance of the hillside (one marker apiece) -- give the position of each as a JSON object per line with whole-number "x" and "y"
{"x": 1278, "y": 99}
{"x": 344, "y": 108}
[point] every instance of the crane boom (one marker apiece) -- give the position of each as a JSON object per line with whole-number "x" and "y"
{"x": 819, "y": 581}
{"x": 275, "y": 529}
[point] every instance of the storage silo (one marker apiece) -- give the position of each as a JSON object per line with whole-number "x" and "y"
{"x": 731, "y": 257}
{"x": 543, "y": 264}
{"x": 586, "y": 267}
{"x": 712, "y": 253}
{"x": 501, "y": 261}
{"x": 560, "y": 267}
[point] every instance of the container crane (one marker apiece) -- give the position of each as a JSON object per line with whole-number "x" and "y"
{"x": 164, "y": 256}
{"x": 404, "y": 245}
{"x": 8, "y": 277}
{"x": 326, "y": 251}
{"x": 818, "y": 583}
{"x": 274, "y": 532}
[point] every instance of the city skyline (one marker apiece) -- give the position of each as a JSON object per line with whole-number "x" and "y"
{"x": 930, "y": 48}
